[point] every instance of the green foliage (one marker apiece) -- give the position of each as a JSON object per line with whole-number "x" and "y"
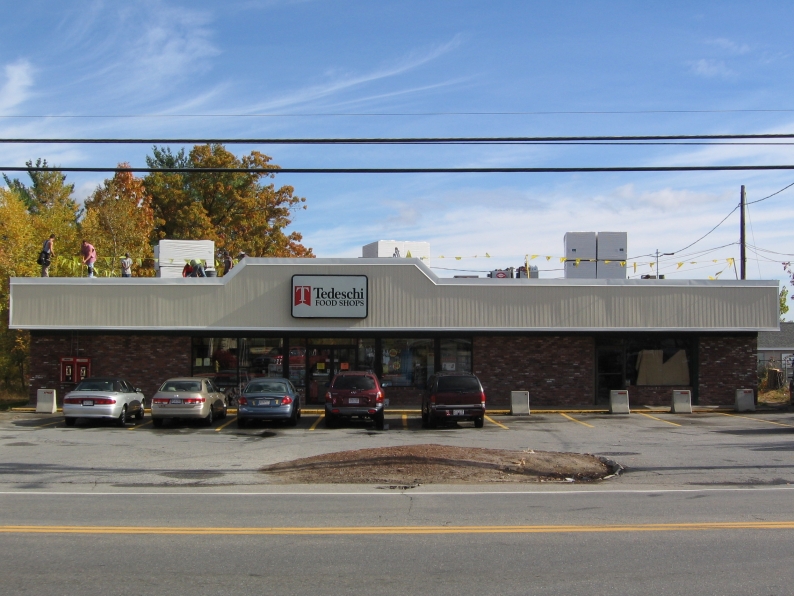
{"x": 783, "y": 302}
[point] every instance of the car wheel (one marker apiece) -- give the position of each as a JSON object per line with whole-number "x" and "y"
{"x": 478, "y": 422}
{"x": 379, "y": 421}
{"x": 240, "y": 422}
{"x": 330, "y": 421}
{"x": 157, "y": 422}
{"x": 122, "y": 419}
{"x": 209, "y": 418}
{"x": 293, "y": 419}
{"x": 139, "y": 414}
{"x": 70, "y": 421}
{"x": 298, "y": 417}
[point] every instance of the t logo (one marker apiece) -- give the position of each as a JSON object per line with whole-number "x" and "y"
{"x": 303, "y": 295}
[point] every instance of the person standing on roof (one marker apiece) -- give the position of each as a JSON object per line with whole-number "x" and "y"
{"x": 88, "y": 252}
{"x": 47, "y": 254}
{"x": 228, "y": 263}
{"x": 126, "y": 266}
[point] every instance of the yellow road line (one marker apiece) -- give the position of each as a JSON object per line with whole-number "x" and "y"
{"x": 405, "y": 421}
{"x": 659, "y": 419}
{"x": 139, "y": 425}
{"x": 316, "y": 422}
{"x": 225, "y": 424}
{"x": 49, "y": 423}
{"x": 756, "y": 419}
{"x": 492, "y": 421}
{"x": 572, "y": 419}
{"x": 386, "y": 530}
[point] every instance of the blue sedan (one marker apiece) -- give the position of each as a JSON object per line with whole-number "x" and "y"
{"x": 268, "y": 399}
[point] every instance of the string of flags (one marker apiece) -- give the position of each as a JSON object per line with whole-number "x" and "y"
{"x": 633, "y": 264}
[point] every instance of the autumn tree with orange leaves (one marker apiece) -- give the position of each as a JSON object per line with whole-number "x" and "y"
{"x": 119, "y": 219}
{"x": 235, "y": 209}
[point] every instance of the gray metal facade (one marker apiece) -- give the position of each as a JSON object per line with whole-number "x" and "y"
{"x": 404, "y": 295}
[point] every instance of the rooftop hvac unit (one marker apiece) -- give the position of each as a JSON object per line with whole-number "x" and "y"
{"x": 533, "y": 272}
{"x": 170, "y": 256}
{"x": 580, "y": 245}
{"x": 584, "y": 270}
{"x": 396, "y": 248}
{"x": 502, "y": 273}
{"x": 611, "y": 270}
{"x": 612, "y": 246}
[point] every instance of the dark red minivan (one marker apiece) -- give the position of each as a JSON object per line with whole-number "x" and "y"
{"x": 452, "y": 397}
{"x": 354, "y": 394}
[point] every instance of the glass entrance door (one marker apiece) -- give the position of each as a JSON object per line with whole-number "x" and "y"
{"x": 323, "y": 363}
{"x": 611, "y": 372}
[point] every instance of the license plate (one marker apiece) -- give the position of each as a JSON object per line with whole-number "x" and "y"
{"x": 176, "y": 401}
{"x": 352, "y": 400}
{"x": 458, "y": 412}
{"x": 88, "y": 402}
{"x": 264, "y": 402}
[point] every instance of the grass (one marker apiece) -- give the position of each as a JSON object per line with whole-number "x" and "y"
{"x": 12, "y": 399}
{"x": 776, "y": 396}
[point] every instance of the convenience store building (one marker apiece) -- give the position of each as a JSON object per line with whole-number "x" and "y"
{"x": 567, "y": 342}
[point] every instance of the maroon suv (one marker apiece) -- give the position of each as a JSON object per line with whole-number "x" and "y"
{"x": 452, "y": 397}
{"x": 354, "y": 395}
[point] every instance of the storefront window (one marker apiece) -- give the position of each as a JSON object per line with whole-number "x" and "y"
{"x": 212, "y": 354}
{"x": 366, "y": 354}
{"x": 456, "y": 355}
{"x": 261, "y": 357}
{"x": 407, "y": 362}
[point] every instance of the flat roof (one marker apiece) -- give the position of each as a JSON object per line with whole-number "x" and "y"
{"x": 402, "y": 295}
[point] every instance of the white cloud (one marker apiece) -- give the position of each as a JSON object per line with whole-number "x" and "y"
{"x": 711, "y": 69}
{"x": 18, "y": 82}
{"x": 730, "y": 46}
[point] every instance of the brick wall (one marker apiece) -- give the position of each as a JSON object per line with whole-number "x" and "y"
{"x": 727, "y": 363}
{"x": 557, "y": 371}
{"x": 144, "y": 361}
{"x": 653, "y": 395}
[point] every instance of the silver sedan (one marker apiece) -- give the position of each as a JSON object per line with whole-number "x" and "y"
{"x": 103, "y": 397}
{"x": 188, "y": 397}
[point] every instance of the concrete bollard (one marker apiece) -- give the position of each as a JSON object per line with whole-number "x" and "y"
{"x": 519, "y": 403}
{"x": 682, "y": 401}
{"x": 45, "y": 401}
{"x": 619, "y": 401}
{"x": 745, "y": 400}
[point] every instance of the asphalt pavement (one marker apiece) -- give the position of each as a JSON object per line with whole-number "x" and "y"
{"x": 703, "y": 507}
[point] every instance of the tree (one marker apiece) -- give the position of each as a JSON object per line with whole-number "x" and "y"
{"x": 783, "y": 305}
{"x": 119, "y": 219}
{"x": 49, "y": 201}
{"x": 234, "y": 209}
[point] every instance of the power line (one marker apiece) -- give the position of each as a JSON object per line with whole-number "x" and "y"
{"x": 277, "y": 170}
{"x": 770, "y": 196}
{"x": 391, "y": 141}
{"x": 709, "y": 232}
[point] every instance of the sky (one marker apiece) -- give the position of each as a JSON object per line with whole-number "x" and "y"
{"x": 281, "y": 68}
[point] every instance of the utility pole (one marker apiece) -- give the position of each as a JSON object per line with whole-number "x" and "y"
{"x": 663, "y": 254}
{"x": 742, "y": 255}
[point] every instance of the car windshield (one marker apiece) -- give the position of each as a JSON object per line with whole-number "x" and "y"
{"x": 181, "y": 386}
{"x": 458, "y": 384}
{"x": 95, "y": 385}
{"x": 354, "y": 382}
{"x": 266, "y": 387}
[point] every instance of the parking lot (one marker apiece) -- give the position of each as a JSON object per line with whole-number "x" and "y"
{"x": 655, "y": 448}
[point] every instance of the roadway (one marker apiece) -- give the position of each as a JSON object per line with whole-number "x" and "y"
{"x": 704, "y": 508}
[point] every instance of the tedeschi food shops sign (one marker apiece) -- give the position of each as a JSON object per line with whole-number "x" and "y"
{"x": 330, "y": 296}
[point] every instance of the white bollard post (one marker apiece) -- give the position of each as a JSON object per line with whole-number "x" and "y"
{"x": 619, "y": 401}
{"x": 682, "y": 401}
{"x": 45, "y": 401}
{"x": 745, "y": 400}
{"x": 519, "y": 403}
